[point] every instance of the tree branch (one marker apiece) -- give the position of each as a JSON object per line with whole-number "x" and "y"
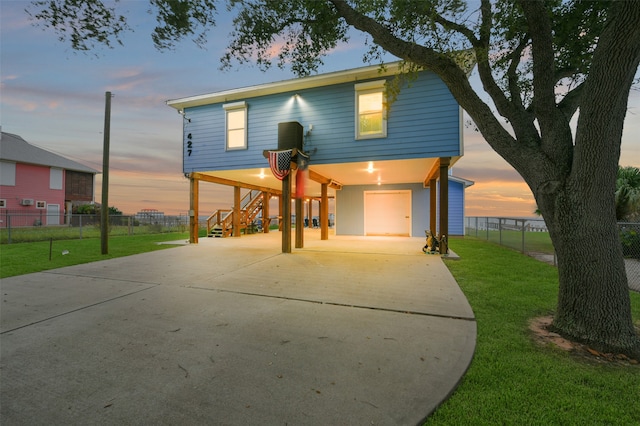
{"x": 556, "y": 139}
{"x": 512, "y": 75}
{"x": 541, "y": 33}
{"x": 570, "y": 103}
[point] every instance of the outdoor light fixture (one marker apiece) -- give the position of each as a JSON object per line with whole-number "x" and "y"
{"x": 181, "y": 112}
{"x": 370, "y": 168}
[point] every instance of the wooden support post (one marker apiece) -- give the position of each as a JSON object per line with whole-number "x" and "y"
{"x": 193, "y": 210}
{"x": 266, "y": 198}
{"x": 280, "y": 207}
{"x": 444, "y": 196}
{"x": 299, "y": 223}
{"x": 286, "y": 214}
{"x": 324, "y": 213}
{"x": 433, "y": 206}
{"x": 310, "y": 212}
{"x": 236, "y": 211}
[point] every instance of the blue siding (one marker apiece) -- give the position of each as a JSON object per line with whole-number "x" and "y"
{"x": 422, "y": 123}
{"x": 456, "y": 208}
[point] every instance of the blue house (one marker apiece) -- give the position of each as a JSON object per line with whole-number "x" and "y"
{"x": 383, "y": 164}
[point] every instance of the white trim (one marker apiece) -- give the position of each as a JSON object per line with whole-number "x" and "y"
{"x": 41, "y": 204}
{"x": 377, "y": 86}
{"x": 229, "y": 109}
{"x": 235, "y": 105}
{"x": 3, "y": 203}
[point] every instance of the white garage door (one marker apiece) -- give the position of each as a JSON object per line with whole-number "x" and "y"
{"x": 387, "y": 213}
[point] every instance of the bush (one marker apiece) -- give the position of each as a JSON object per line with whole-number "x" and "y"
{"x": 630, "y": 239}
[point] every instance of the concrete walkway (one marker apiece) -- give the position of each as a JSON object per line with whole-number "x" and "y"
{"x": 350, "y": 331}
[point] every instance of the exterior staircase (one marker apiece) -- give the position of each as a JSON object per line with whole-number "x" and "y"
{"x": 220, "y": 223}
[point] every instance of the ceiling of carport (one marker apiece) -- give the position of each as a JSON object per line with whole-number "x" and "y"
{"x": 383, "y": 172}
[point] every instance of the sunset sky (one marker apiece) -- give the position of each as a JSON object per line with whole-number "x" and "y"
{"x": 54, "y": 98}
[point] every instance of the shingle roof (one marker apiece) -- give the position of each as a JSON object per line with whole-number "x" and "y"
{"x": 14, "y": 148}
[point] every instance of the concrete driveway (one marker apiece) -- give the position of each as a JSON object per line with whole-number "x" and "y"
{"x": 354, "y": 330}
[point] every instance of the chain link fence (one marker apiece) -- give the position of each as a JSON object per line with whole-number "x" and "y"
{"x": 531, "y": 237}
{"x": 43, "y": 226}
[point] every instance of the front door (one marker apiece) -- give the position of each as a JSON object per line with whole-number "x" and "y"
{"x": 53, "y": 214}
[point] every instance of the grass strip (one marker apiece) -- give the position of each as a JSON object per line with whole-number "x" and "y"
{"x": 512, "y": 379}
{"x": 24, "y": 258}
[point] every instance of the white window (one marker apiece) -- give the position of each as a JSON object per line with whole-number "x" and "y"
{"x": 41, "y": 204}
{"x": 371, "y": 111}
{"x": 236, "y": 125}
{"x": 55, "y": 178}
{"x": 7, "y": 173}
{"x": 3, "y": 203}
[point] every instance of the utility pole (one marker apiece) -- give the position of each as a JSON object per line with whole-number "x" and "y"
{"x": 104, "y": 209}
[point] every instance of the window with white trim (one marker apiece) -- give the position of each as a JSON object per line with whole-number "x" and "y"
{"x": 41, "y": 204}
{"x": 236, "y": 125}
{"x": 7, "y": 173}
{"x": 55, "y": 178}
{"x": 371, "y": 111}
{"x": 3, "y": 203}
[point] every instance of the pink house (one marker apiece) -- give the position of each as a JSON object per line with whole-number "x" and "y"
{"x": 38, "y": 187}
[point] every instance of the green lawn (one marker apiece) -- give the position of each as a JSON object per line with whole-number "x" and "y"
{"x": 513, "y": 380}
{"x": 23, "y": 258}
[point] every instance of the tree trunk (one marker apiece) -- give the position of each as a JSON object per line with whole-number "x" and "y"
{"x": 593, "y": 302}
{"x": 593, "y": 299}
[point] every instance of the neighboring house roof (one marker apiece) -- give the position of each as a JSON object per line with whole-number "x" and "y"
{"x": 14, "y": 148}
{"x": 466, "y": 182}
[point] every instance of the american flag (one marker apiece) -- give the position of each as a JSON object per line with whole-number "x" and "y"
{"x": 280, "y": 163}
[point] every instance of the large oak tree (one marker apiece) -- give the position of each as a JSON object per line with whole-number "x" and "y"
{"x": 539, "y": 62}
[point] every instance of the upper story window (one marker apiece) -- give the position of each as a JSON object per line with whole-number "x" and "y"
{"x": 236, "y": 125}
{"x": 55, "y": 178}
{"x": 7, "y": 173}
{"x": 371, "y": 112}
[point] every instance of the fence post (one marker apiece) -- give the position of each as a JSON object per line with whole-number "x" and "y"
{"x": 522, "y": 236}
{"x": 500, "y": 229}
{"x": 80, "y": 222}
{"x": 486, "y": 225}
{"x": 8, "y": 229}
